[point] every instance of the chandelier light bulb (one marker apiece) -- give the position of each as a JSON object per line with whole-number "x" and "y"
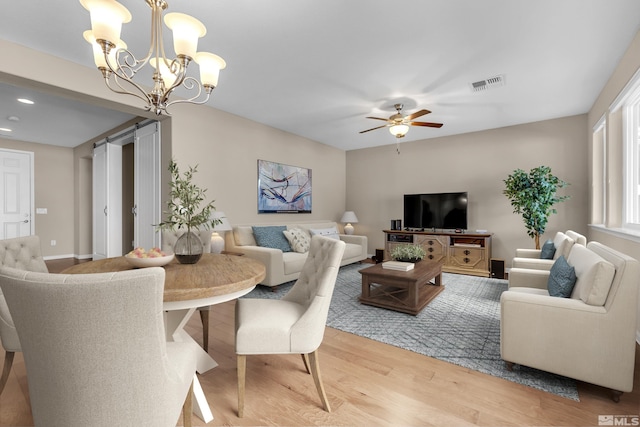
{"x": 107, "y": 17}
{"x": 119, "y": 66}
{"x": 399, "y": 130}
{"x": 98, "y": 53}
{"x": 168, "y": 77}
{"x": 186, "y": 32}
{"x": 210, "y": 66}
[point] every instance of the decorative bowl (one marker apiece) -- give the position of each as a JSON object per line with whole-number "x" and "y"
{"x": 149, "y": 262}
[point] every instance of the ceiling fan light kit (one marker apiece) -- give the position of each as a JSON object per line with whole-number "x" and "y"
{"x": 398, "y": 124}
{"x": 119, "y": 66}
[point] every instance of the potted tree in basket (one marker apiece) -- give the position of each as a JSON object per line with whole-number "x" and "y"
{"x": 533, "y": 195}
{"x": 183, "y": 213}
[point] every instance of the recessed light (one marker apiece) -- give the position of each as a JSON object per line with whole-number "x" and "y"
{"x": 5, "y": 130}
{"x": 25, "y": 101}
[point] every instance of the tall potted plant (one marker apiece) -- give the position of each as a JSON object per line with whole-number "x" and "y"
{"x": 533, "y": 195}
{"x": 183, "y": 212}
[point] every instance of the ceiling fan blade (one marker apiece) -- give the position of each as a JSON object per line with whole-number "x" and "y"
{"x": 378, "y": 118}
{"x": 417, "y": 114}
{"x": 427, "y": 124}
{"x": 379, "y": 127}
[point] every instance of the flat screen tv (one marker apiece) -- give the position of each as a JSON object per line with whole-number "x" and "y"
{"x": 436, "y": 211}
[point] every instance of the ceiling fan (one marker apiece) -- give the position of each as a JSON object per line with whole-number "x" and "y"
{"x": 399, "y": 125}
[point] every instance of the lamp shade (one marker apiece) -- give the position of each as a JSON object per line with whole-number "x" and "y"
{"x": 399, "y": 130}
{"x": 107, "y": 17}
{"x": 210, "y": 66}
{"x": 186, "y": 32}
{"x": 349, "y": 216}
{"x": 167, "y": 76}
{"x": 98, "y": 54}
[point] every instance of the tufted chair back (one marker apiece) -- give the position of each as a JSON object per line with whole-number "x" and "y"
{"x": 22, "y": 253}
{"x": 295, "y": 323}
{"x": 95, "y": 349}
{"x": 313, "y": 291}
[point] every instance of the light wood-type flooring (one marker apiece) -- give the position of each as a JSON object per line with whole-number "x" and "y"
{"x": 368, "y": 384}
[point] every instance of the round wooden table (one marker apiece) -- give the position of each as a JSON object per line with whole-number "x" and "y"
{"x": 216, "y": 278}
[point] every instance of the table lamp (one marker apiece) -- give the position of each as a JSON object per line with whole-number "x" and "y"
{"x": 217, "y": 241}
{"x": 349, "y": 217}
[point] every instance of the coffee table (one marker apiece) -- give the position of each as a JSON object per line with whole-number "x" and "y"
{"x": 404, "y": 291}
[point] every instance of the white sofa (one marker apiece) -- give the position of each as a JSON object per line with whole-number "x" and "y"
{"x": 590, "y": 335}
{"x": 282, "y": 266}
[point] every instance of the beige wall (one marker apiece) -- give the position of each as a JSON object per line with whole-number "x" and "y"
{"x": 53, "y": 188}
{"x": 226, "y": 148}
{"x": 477, "y": 163}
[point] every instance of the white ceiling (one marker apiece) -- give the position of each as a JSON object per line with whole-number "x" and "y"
{"x": 318, "y": 68}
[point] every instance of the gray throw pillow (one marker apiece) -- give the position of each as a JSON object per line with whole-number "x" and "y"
{"x": 562, "y": 279}
{"x": 272, "y": 237}
{"x": 548, "y": 250}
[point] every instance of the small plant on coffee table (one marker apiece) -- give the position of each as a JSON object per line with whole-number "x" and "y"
{"x": 408, "y": 253}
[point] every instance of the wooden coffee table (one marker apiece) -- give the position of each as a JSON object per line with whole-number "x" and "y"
{"x": 404, "y": 291}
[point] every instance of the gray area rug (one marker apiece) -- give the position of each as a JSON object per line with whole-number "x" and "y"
{"x": 460, "y": 326}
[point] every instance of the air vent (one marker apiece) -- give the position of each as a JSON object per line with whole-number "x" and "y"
{"x": 491, "y": 82}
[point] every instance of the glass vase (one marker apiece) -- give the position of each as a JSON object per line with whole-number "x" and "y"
{"x": 188, "y": 248}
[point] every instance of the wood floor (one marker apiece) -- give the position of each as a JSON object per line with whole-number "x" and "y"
{"x": 368, "y": 384}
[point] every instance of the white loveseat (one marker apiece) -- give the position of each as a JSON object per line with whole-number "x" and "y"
{"x": 283, "y": 266}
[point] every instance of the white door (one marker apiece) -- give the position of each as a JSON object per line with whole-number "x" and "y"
{"x": 147, "y": 198}
{"x": 107, "y": 201}
{"x": 16, "y": 194}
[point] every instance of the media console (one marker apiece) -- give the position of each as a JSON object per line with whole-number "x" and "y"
{"x": 463, "y": 253}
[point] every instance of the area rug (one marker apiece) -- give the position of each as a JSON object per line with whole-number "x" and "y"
{"x": 461, "y": 326}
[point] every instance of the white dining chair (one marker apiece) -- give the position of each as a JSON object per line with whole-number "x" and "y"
{"x": 294, "y": 324}
{"x": 23, "y": 253}
{"x": 95, "y": 349}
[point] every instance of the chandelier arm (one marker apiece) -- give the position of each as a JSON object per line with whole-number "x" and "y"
{"x": 123, "y": 91}
{"x": 190, "y": 83}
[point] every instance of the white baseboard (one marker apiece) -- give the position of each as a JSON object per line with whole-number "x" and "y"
{"x": 52, "y": 257}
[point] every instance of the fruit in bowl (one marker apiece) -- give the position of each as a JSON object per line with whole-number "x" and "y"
{"x": 154, "y": 257}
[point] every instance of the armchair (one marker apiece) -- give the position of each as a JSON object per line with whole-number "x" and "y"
{"x": 589, "y": 336}
{"x": 95, "y": 350}
{"x": 530, "y": 258}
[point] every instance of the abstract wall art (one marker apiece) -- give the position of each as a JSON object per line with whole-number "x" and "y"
{"x": 283, "y": 188}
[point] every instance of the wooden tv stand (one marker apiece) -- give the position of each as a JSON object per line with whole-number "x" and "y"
{"x": 463, "y": 253}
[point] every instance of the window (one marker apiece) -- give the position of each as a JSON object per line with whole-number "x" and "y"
{"x": 599, "y": 168}
{"x": 631, "y": 153}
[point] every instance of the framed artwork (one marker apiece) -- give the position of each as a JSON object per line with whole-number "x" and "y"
{"x": 283, "y": 188}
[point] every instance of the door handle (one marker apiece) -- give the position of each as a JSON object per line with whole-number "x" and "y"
{"x": 105, "y": 211}
{"x": 26, "y": 221}
{"x": 134, "y": 210}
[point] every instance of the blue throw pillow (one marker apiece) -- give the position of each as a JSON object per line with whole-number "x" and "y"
{"x": 562, "y": 279}
{"x": 548, "y": 250}
{"x": 272, "y": 237}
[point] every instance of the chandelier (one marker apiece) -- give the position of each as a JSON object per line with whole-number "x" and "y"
{"x": 119, "y": 66}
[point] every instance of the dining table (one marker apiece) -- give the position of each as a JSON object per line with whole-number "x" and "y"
{"x": 214, "y": 279}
